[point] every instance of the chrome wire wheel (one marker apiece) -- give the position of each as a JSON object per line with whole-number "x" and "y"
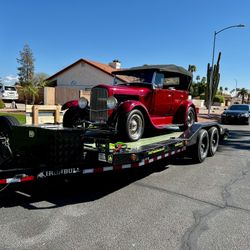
{"x": 135, "y": 125}
{"x": 190, "y": 117}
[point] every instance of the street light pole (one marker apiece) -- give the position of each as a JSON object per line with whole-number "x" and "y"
{"x": 212, "y": 67}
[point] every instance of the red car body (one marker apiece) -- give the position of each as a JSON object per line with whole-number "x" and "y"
{"x": 161, "y": 102}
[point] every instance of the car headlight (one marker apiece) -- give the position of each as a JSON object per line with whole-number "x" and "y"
{"x": 82, "y": 103}
{"x": 111, "y": 102}
{"x": 244, "y": 115}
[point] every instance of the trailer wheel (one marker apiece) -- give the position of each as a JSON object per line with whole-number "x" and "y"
{"x": 6, "y": 123}
{"x": 213, "y": 140}
{"x": 200, "y": 149}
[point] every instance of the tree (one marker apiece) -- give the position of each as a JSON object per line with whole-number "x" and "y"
{"x": 192, "y": 68}
{"x": 26, "y": 68}
{"x": 221, "y": 90}
{"x": 242, "y": 93}
{"x": 40, "y": 79}
{"x": 198, "y": 78}
{"x": 248, "y": 97}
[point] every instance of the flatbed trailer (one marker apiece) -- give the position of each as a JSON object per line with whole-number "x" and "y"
{"x": 29, "y": 153}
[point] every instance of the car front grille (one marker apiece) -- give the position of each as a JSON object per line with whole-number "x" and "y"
{"x": 98, "y": 105}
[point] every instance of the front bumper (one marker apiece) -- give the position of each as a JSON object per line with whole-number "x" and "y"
{"x": 234, "y": 119}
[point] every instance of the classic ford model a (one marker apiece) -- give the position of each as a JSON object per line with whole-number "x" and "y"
{"x": 152, "y": 97}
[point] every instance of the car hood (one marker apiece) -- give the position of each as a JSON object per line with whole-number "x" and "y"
{"x": 234, "y": 112}
{"x": 126, "y": 90}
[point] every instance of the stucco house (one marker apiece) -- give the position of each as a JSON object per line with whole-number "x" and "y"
{"x": 84, "y": 74}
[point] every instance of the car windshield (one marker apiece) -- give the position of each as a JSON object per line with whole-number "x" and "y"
{"x": 138, "y": 77}
{"x": 9, "y": 88}
{"x": 239, "y": 107}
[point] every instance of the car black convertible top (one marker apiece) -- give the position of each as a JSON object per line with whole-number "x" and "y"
{"x": 165, "y": 68}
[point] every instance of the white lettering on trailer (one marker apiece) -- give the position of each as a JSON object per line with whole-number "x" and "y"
{"x": 66, "y": 171}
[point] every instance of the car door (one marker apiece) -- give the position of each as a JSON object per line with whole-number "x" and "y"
{"x": 162, "y": 102}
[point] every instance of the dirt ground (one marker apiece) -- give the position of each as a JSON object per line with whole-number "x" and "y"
{"x": 214, "y": 114}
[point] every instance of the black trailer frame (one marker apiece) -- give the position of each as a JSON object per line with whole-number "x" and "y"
{"x": 35, "y": 152}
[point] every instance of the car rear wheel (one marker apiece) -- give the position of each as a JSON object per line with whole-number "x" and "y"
{"x": 190, "y": 119}
{"x": 132, "y": 126}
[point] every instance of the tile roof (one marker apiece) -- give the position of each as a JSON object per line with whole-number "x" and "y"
{"x": 101, "y": 66}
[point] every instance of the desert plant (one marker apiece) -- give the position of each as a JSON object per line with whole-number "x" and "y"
{"x": 215, "y": 80}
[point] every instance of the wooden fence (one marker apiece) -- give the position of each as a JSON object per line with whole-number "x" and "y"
{"x": 43, "y": 114}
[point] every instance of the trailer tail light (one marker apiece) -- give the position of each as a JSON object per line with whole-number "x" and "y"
{"x": 17, "y": 179}
{"x": 27, "y": 178}
{"x": 2, "y": 181}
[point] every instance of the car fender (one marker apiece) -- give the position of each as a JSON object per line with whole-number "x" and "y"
{"x": 129, "y": 105}
{"x": 182, "y": 112}
{"x": 70, "y": 104}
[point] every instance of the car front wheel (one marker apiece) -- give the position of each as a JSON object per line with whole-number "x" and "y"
{"x": 132, "y": 126}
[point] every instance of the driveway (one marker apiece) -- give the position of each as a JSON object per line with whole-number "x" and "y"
{"x": 170, "y": 205}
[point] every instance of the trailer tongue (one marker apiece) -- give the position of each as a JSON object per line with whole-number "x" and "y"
{"x": 28, "y": 153}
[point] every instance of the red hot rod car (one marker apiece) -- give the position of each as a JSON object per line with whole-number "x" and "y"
{"x": 154, "y": 96}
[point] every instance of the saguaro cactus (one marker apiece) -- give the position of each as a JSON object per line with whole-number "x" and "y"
{"x": 215, "y": 80}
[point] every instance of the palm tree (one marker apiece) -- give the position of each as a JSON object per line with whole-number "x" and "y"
{"x": 30, "y": 92}
{"x": 192, "y": 68}
{"x": 221, "y": 90}
{"x": 248, "y": 97}
{"x": 242, "y": 92}
{"x": 198, "y": 78}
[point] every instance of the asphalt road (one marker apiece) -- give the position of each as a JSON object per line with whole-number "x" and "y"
{"x": 172, "y": 205}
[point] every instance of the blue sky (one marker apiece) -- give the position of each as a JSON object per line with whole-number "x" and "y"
{"x": 135, "y": 32}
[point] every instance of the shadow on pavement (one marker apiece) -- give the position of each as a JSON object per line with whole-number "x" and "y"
{"x": 238, "y": 139}
{"x": 58, "y": 192}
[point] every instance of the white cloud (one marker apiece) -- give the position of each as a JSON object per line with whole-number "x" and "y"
{"x": 10, "y": 79}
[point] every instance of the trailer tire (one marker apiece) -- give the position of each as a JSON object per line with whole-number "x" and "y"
{"x": 6, "y": 123}
{"x": 200, "y": 149}
{"x": 214, "y": 138}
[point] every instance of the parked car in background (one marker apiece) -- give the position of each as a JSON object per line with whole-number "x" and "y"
{"x": 8, "y": 92}
{"x": 154, "y": 96}
{"x": 237, "y": 113}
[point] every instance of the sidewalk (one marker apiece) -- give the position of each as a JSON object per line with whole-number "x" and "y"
{"x": 20, "y": 108}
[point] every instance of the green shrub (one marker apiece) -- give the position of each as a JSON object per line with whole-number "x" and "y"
{"x": 202, "y": 97}
{"x": 218, "y": 98}
{"x": 2, "y": 105}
